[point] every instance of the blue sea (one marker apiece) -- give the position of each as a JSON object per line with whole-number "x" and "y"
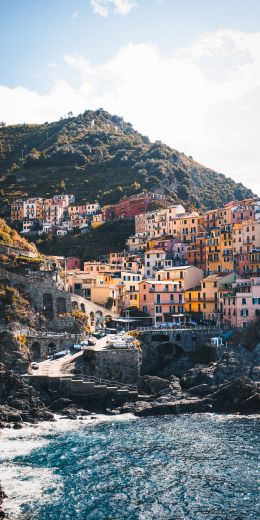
{"x": 187, "y": 467}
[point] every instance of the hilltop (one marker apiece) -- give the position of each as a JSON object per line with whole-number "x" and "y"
{"x": 99, "y": 157}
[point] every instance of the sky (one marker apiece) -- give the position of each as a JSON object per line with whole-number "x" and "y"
{"x": 185, "y": 72}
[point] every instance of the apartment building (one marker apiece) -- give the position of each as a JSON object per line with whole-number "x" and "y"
{"x": 245, "y": 239}
{"x": 164, "y": 298}
{"x": 241, "y": 303}
{"x": 97, "y": 268}
{"x": 219, "y": 250}
{"x": 83, "y": 210}
{"x": 203, "y": 301}
{"x": 137, "y": 243}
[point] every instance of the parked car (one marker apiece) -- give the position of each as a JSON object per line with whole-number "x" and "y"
{"x": 60, "y": 354}
{"x": 77, "y": 347}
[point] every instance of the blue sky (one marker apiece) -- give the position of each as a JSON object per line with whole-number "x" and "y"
{"x": 183, "y": 71}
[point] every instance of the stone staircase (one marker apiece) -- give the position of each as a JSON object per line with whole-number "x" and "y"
{"x": 80, "y": 386}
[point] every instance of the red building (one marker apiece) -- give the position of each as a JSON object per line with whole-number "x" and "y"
{"x": 134, "y": 205}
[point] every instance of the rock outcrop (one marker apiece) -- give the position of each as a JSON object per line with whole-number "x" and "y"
{"x": 19, "y": 401}
{"x": 2, "y": 497}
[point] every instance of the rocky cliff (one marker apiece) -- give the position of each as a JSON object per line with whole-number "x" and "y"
{"x": 176, "y": 383}
{"x": 19, "y": 401}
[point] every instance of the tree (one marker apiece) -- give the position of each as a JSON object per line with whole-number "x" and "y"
{"x": 62, "y": 184}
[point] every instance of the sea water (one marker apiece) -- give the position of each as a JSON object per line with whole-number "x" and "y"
{"x": 194, "y": 467}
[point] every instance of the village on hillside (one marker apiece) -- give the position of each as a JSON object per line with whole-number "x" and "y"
{"x": 178, "y": 268}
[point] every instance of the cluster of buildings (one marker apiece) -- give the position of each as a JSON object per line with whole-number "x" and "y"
{"x": 58, "y": 215}
{"x": 183, "y": 267}
{"x": 179, "y": 266}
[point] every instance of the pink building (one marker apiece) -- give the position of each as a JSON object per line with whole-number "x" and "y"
{"x": 73, "y": 262}
{"x": 244, "y": 210}
{"x": 164, "y": 297}
{"x": 163, "y": 300}
{"x": 241, "y": 303}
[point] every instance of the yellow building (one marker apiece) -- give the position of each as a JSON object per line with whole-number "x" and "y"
{"x": 226, "y": 249}
{"x": 206, "y": 298}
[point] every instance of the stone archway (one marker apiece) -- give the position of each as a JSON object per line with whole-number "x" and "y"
{"x": 75, "y": 306}
{"x": 82, "y": 307}
{"x": 36, "y": 351}
{"x": 48, "y": 310}
{"x": 61, "y": 305}
{"x": 92, "y": 318}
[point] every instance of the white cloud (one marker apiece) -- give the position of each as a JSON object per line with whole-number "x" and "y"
{"x": 202, "y": 100}
{"x": 104, "y": 7}
{"x": 75, "y": 15}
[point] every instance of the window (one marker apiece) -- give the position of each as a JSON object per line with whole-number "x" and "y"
{"x": 158, "y": 298}
{"x": 243, "y": 301}
{"x": 158, "y": 309}
{"x": 244, "y": 312}
{"x": 144, "y": 297}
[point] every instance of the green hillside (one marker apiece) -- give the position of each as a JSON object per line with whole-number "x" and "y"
{"x": 98, "y": 156}
{"x": 101, "y": 241}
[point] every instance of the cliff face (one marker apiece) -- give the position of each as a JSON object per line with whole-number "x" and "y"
{"x": 98, "y": 156}
{"x": 19, "y": 401}
{"x": 16, "y": 255}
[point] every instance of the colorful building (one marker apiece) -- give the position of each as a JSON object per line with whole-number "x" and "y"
{"x": 164, "y": 298}
{"x": 241, "y": 303}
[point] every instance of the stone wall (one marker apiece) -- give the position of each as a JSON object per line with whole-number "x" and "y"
{"x": 51, "y": 300}
{"x": 41, "y": 346}
{"x": 172, "y": 352}
{"x": 118, "y": 365}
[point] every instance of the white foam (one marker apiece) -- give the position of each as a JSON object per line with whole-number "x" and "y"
{"x": 25, "y": 485}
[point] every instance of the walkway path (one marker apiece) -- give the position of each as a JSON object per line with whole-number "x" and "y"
{"x": 57, "y": 367}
